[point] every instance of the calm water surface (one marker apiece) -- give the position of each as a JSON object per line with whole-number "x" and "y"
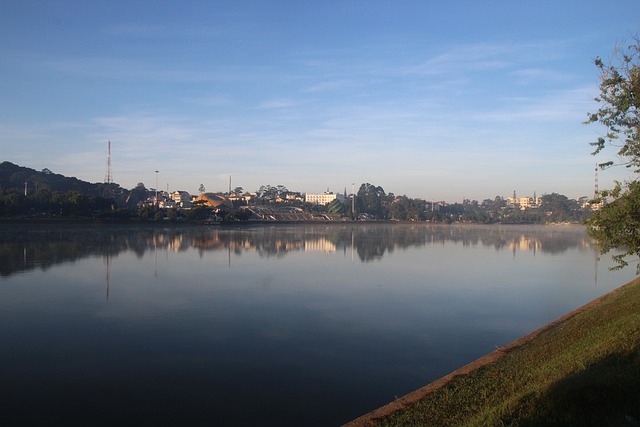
{"x": 267, "y": 325}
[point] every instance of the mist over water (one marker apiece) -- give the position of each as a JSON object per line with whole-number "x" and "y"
{"x": 268, "y": 325}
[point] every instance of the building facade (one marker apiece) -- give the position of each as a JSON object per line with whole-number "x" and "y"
{"x": 319, "y": 199}
{"x": 524, "y": 202}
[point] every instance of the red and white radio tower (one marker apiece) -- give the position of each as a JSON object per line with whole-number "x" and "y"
{"x": 107, "y": 178}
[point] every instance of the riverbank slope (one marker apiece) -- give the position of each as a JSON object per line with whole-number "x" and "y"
{"x": 582, "y": 369}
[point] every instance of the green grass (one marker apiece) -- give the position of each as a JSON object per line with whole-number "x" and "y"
{"x": 583, "y": 371}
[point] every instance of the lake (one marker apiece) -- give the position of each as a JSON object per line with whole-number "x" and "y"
{"x": 309, "y": 324}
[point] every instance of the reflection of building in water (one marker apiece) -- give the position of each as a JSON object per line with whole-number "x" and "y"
{"x": 176, "y": 243}
{"x": 208, "y": 242}
{"x": 524, "y": 243}
{"x": 288, "y": 245}
{"x": 319, "y": 245}
{"x": 546, "y": 243}
{"x": 50, "y": 247}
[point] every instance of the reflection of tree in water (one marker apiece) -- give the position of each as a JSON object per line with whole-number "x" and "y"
{"x": 270, "y": 241}
{"x": 372, "y": 242}
{"x": 370, "y": 249}
{"x": 25, "y": 247}
{"x": 546, "y": 239}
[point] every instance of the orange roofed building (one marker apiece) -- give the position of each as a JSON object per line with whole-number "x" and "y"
{"x": 215, "y": 200}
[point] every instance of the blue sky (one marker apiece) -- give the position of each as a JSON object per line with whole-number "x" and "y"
{"x": 432, "y": 99}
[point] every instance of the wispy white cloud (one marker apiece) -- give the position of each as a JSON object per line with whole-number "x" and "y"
{"x": 562, "y": 106}
{"x": 213, "y": 101}
{"x": 278, "y": 103}
{"x": 534, "y": 75}
{"x": 466, "y": 58}
{"x": 165, "y": 31}
{"x": 326, "y": 85}
{"x": 112, "y": 68}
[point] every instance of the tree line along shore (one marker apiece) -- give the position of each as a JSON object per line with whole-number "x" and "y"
{"x": 49, "y": 195}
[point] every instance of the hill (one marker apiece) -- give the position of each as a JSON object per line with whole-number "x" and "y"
{"x": 28, "y": 192}
{"x": 13, "y": 176}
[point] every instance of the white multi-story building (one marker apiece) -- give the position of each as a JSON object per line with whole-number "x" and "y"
{"x": 524, "y": 202}
{"x": 181, "y": 199}
{"x": 319, "y": 199}
{"x": 180, "y": 196}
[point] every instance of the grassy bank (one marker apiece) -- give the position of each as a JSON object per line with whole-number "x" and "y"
{"x": 583, "y": 370}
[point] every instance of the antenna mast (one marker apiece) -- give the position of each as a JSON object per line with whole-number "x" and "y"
{"x": 107, "y": 178}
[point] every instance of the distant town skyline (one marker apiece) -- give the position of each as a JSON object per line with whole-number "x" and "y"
{"x": 438, "y": 101}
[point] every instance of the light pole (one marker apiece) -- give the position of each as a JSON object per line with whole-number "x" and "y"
{"x": 353, "y": 200}
{"x": 157, "y": 188}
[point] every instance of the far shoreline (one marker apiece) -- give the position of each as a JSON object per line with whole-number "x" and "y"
{"x": 183, "y": 223}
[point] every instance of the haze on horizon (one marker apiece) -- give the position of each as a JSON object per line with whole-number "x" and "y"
{"x": 432, "y": 100}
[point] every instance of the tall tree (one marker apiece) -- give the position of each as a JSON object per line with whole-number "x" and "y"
{"x": 370, "y": 200}
{"x": 617, "y": 224}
